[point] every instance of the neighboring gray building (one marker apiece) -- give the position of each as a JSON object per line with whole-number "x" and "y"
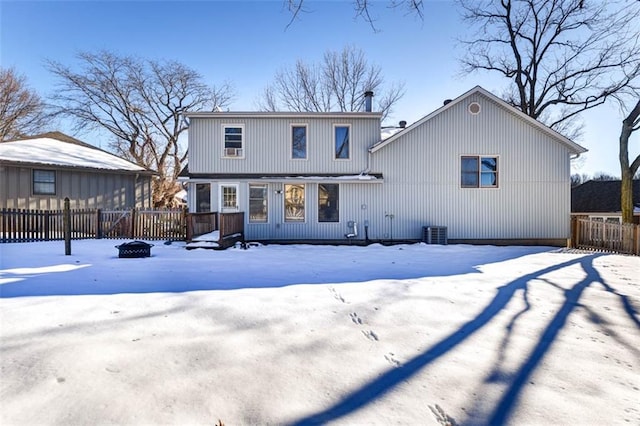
{"x": 477, "y": 166}
{"x": 39, "y": 172}
{"x": 600, "y": 200}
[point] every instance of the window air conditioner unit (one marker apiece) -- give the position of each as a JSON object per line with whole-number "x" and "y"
{"x": 434, "y": 234}
{"x": 233, "y": 152}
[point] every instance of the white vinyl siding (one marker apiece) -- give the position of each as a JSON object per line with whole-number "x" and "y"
{"x": 533, "y": 200}
{"x": 267, "y": 146}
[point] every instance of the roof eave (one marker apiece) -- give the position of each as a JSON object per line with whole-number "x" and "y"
{"x": 75, "y": 168}
{"x": 282, "y": 114}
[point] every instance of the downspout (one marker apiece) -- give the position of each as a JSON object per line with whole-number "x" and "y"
{"x": 368, "y": 169}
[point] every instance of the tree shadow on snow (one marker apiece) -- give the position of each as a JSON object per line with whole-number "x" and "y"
{"x": 501, "y": 411}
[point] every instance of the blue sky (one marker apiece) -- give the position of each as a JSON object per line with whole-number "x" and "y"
{"x": 247, "y": 42}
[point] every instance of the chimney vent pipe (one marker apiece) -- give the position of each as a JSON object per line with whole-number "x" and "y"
{"x": 368, "y": 97}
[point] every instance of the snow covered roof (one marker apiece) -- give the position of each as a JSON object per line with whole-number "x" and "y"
{"x": 57, "y": 149}
{"x": 389, "y": 131}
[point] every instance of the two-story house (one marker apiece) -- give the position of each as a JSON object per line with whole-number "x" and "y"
{"x": 477, "y": 166}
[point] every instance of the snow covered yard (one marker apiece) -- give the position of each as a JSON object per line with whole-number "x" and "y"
{"x": 318, "y": 334}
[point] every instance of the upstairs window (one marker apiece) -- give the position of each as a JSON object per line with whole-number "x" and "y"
{"x": 233, "y": 141}
{"x": 44, "y": 182}
{"x": 298, "y": 142}
{"x": 328, "y": 196}
{"x": 341, "y": 136}
{"x": 479, "y": 172}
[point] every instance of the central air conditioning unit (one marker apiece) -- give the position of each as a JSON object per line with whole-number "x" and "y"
{"x": 233, "y": 152}
{"x": 434, "y": 234}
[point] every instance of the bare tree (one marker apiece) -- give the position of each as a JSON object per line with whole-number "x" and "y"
{"x": 579, "y": 179}
{"x": 362, "y": 9}
{"x": 603, "y": 176}
{"x": 22, "y": 111}
{"x": 337, "y": 83}
{"x": 140, "y": 103}
{"x": 628, "y": 170}
{"x": 563, "y": 56}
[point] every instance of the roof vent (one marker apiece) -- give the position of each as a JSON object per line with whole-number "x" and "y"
{"x": 474, "y": 108}
{"x": 402, "y": 124}
{"x": 446, "y": 101}
{"x": 368, "y": 97}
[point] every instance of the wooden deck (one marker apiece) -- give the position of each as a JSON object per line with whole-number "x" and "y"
{"x": 216, "y": 231}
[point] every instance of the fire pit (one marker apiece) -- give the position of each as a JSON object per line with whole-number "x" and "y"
{"x": 134, "y": 249}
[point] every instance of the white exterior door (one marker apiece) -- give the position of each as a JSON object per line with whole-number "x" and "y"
{"x": 228, "y": 197}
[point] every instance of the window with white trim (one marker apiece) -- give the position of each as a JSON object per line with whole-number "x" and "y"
{"x": 341, "y": 134}
{"x": 44, "y": 182}
{"x": 258, "y": 203}
{"x": 228, "y": 197}
{"x": 478, "y": 171}
{"x": 328, "y": 197}
{"x": 233, "y": 145}
{"x": 299, "y": 141}
{"x": 294, "y": 202}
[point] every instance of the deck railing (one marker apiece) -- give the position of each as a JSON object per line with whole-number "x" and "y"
{"x": 201, "y": 223}
{"x": 229, "y": 224}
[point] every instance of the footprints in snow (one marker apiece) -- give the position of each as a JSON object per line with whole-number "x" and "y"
{"x": 369, "y": 334}
{"x": 337, "y": 295}
{"x": 355, "y": 318}
{"x": 391, "y": 360}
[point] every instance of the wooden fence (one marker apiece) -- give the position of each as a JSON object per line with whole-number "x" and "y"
{"x": 600, "y": 235}
{"x": 19, "y": 225}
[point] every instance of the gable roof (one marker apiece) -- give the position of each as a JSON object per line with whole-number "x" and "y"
{"x": 601, "y": 196}
{"x": 573, "y": 147}
{"x": 58, "y": 149}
